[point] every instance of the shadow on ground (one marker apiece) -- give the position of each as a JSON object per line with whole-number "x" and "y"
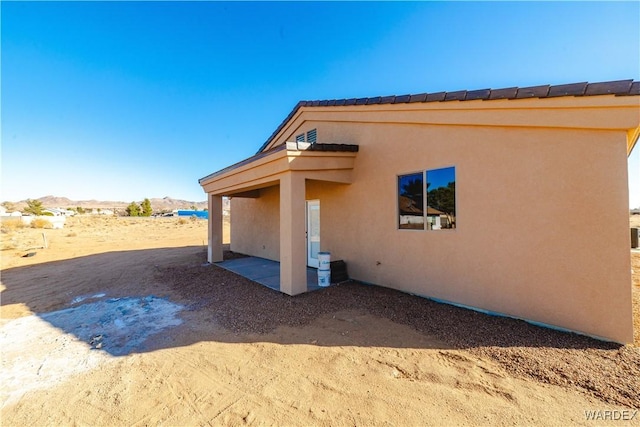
{"x": 139, "y": 301}
{"x": 242, "y": 307}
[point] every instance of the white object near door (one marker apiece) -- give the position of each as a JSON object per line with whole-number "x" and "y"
{"x": 324, "y": 278}
{"x": 324, "y": 260}
{"x": 313, "y": 232}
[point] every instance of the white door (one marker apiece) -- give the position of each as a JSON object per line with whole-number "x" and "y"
{"x": 313, "y": 232}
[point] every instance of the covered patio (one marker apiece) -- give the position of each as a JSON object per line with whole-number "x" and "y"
{"x": 288, "y": 166}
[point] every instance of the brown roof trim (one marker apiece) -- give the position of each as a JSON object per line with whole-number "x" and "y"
{"x": 618, "y": 88}
{"x": 506, "y": 93}
{"x": 575, "y": 89}
{"x": 532, "y": 92}
{"x": 635, "y": 89}
{"x": 347, "y": 148}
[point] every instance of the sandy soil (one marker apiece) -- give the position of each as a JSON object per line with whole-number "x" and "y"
{"x": 121, "y": 322}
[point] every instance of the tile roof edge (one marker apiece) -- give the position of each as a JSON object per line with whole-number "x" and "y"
{"x": 628, "y": 87}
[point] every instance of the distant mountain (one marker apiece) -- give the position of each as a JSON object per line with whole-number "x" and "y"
{"x": 158, "y": 204}
{"x": 169, "y": 204}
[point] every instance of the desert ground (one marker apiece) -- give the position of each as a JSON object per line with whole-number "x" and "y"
{"x": 120, "y": 321}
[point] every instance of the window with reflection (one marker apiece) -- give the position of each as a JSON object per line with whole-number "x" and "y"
{"x": 411, "y": 201}
{"x": 441, "y": 198}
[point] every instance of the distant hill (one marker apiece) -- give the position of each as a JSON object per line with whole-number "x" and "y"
{"x": 158, "y": 204}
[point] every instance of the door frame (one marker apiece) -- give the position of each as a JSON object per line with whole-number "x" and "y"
{"x": 311, "y": 262}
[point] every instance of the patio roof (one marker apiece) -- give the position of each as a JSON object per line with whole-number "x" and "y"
{"x": 323, "y": 162}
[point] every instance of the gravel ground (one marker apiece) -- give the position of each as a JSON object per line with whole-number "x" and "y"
{"x": 606, "y": 371}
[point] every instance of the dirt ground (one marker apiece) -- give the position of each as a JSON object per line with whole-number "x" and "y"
{"x": 120, "y": 321}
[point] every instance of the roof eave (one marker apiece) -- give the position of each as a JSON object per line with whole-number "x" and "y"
{"x": 626, "y": 87}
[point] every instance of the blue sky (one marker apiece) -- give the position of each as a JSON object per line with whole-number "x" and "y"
{"x": 122, "y": 100}
{"x": 437, "y": 178}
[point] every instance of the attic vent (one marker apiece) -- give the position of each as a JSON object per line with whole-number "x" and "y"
{"x": 312, "y": 136}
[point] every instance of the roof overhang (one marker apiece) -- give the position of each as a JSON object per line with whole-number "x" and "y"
{"x": 322, "y": 162}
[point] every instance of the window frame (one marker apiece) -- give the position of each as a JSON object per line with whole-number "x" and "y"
{"x": 455, "y": 198}
{"x": 398, "y": 214}
{"x": 425, "y": 200}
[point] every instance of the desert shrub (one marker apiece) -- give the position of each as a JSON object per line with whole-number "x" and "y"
{"x": 12, "y": 224}
{"x": 182, "y": 221}
{"x": 41, "y": 223}
{"x": 47, "y": 214}
{"x": 72, "y": 234}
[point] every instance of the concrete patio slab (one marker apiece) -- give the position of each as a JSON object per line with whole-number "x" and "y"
{"x": 265, "y": 271}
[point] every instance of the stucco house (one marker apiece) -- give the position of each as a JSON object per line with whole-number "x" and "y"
{"x": 488, "y": 199}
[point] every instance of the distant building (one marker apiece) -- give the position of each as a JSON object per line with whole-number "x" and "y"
{"x": 5, "y": 212}
{"x": 60, "y": 212}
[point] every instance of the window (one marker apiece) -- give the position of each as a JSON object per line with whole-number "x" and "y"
{"x": 438, "y": 187}
{"x": 441, "y": 198}
{"x": 411, "y": 201}
{"x": 300, "y": 138}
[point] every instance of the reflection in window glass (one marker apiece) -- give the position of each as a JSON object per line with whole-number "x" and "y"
{"x": 411, "y": 201}
{"x": 441, "y": 198}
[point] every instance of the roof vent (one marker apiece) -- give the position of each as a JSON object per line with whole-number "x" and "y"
{"x": 312, "y": 136}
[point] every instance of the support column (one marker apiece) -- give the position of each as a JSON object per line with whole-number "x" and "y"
{"x": 293, "y": 252}
{"x": 214, "y": 252}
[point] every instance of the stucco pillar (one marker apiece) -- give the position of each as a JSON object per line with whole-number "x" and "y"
{"x": 214, "y": 253}
{"x": 293, "y": 253}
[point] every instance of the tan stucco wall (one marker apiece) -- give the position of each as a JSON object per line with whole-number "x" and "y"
{"x": 542, "y": 215}
{"x": 541, "y": 224}
{"x": 255, "y": 224}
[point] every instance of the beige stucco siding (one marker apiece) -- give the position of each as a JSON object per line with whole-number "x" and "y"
{"x": 255, "y": 224}
{"x": 542, "y": 232}
{"x": 542, "y": 204}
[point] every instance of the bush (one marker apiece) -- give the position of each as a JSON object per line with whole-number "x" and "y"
{"x": 41, "y": 223}
{"x": 12, "y": 224}
{"x": 133, "y": 209}
{"x": 47, "y": 214}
